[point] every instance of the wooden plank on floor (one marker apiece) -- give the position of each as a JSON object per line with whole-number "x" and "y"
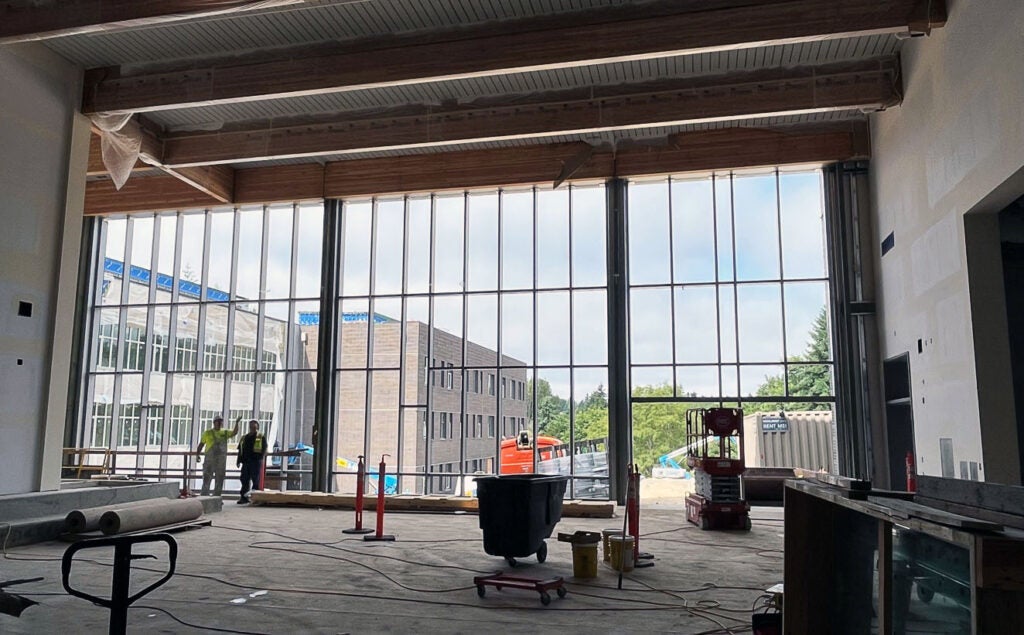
{"x": 570, "y": 508}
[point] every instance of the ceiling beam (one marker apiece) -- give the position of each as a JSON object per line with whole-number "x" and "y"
{"x": 26, "y": 20}
{"x": 519, "y": 46}
{"x": 729, "y": 148}
{"x": 870, "y": 85}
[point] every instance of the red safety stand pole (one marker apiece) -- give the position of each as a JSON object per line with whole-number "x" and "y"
{"x": 360, "y": 486}
{"x": 381, "y": 473}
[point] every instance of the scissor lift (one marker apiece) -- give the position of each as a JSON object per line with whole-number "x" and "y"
{"x": 714, "y": 437}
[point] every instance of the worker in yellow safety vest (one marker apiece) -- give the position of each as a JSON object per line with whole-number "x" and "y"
{"x": 251, "y": 450}
{"x": 215, "y": 441}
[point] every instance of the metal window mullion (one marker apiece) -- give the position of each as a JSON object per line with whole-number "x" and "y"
{"x": 619, "y": 423}
{"x": 261, "y": 318}
{"x": 197, "y": 403}
{"x": 572, "y": 367}
{"x": 368, "y": 370}
{"x": 428, "y": 416}
{"x": 232, "y": 306}
{"x": 672, "y": 289}
{"x": 126, "y": 274}
{"x": 324, "y": 422}
{"x": 147, "y": 351}
{"x": 403, "y": 347}
{"x": 782, "y": 285}
{"x": 498, "y": 326}
{"x": 291, "y": 383}
{"x": 735, "y": 284}
{"x": 83, "y": 354}
{"x": 718, "y": 286}
{"x": 465, "y": 335}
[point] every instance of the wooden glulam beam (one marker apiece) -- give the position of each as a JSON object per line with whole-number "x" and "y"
{"x": 27, "y": 20}
{"x": 520, "y": 46}
{"x": 870, "y": 85}
{"x": 144, "y": 194}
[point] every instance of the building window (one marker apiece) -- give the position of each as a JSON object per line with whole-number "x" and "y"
{"x": 215, "y": 357}
{"x": 268, "y": 362}
{"x": 128, "y": 426}
{"x": 490, "y": 384}
{"x": 102, "y": 419}
{"x": 159, "y": 364}
{"x": 451, "y": 378}
{"x": 155, "y": 425}
{"x": 134, "y": 348}
{"x": 106, "y": 358}
{"x": 490, "y": 426}
{"x": 181, "y": 422}
{"x": 186, "y": 353}
{"x": 243, "y": 361}
{"x": 504, "y": 388}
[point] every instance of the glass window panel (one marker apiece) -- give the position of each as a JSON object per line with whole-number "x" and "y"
{"x": 130, "y": 412}
{"x": 387, "y": 333}
{"x": 250, "y": 252}
{"x": 356, "y": 221}
{"x": 730, "y": 381}
{"x": 384, "y": 413}
{"x": 410, "y": 461}
{"x": 106, "y": 346}
{"x": 481, "y": 408}
{"x": 810, "y": 380}
{"x": 241, "y": 397}
{"x": 803, "y": 225}
{"x": 648, "y": 233}
{"x": 417, "y": 317}
{"x": 285, "y": 407}
{"x": 222, "y": 223}
{"x": 186, "y": 341}
{"x": 306, "y": 329}
{"x": 693, "y": 230}
{"x": 161, "y": 340}
{"x": 275, "y": 338}
{"x": 133, "y": 339}
{"x": 111, "y": 273}
{"x": 553, "y": 238}
{"x": 154, "y": 434}
{"x": 389, "y": 247}
{"x": 245, "y": 356}
{"x": 211, "y": 400}
{"x": 193, "y": 234}
{"x": 590, "y": 327}
{"x": 517, "y": 239}
{"x": 181, "y": 397}
{"x": 279, "y": 251}
{"x": 449, "y": 217}
{"x": 723, "y": 221}
{"x": 165, "y": 255}
{"x": 651, "y": 381}
{"x": 354, "y": 333}
{"x": 590, "y": 434}
{"x": 650, "y": 326}
{"x": 553, "y": 403}
{"x": 727, "y": 322}
{"x": 447, "y": 329}
{"x": 760, "y": 322}
{"x": 99, "y": 430}
{"x": 755, "y": 208}
{"x": 482, "y": 330}
{"x": 482, "y": 241}
{"x": 444, "y": 434}
{"x": 696, "y": 324}
{"x": 517, "y": 328}
{"x": 417, "y": 265}
{"x": 215, "y": 338}
{"x": 697, "y": 381}
{"x": 309, "y": 259}
{"x": 553, "y": 328}
{"x": 652, "y": 439}
{"x": 589, "y": 226}
{"x": 141, "y": 259}
{"x": 762, "y": 381}
{"x": 807, "y": 321}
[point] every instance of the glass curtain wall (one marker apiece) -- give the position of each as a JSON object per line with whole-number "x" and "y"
{"x": 728, "y": 299}
{"x": 473, "y": 339}
{"x": 198, "y": 314}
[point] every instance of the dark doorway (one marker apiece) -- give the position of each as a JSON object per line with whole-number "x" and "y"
{"x": 1011, "y": 229}
{"x": 899, "y": 418}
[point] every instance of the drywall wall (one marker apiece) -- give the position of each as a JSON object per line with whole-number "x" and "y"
{"x": 37, "y": 109}
{"x": 950, "y": 154}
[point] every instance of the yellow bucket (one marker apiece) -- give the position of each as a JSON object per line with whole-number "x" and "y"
{"x": 584, "y": 559}
{"x": 622, "y": 552}
{"x": 605, "y": 535}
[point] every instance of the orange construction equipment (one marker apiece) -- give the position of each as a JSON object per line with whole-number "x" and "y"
{"x": 517, "y": 453}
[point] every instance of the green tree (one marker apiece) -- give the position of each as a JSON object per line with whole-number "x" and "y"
{"x": 812, "y": 379}
{"x": 552, "y": 414}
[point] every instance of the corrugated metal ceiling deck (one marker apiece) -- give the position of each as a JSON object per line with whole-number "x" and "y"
{"x": 820, "y": 52}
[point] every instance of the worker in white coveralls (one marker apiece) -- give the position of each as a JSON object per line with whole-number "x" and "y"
{"x": 215, "y": 440}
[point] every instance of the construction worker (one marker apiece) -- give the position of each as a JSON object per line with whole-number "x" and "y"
{"x": 251, "y": 450}
{"x": 215, "y": 440}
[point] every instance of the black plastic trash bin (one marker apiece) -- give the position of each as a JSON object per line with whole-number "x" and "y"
{"x": 518, "y": 511}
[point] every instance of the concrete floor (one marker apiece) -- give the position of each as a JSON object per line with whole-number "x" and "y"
{"x": 422, "y": 583}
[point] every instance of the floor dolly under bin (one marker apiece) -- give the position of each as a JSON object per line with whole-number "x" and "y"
{"x": 714, "y": 437}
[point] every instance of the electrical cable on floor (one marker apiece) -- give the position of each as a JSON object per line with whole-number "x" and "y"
{"x": 196, "y": 626}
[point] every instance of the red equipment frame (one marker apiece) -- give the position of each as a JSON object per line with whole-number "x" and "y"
{"x": 704, "y": 425}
